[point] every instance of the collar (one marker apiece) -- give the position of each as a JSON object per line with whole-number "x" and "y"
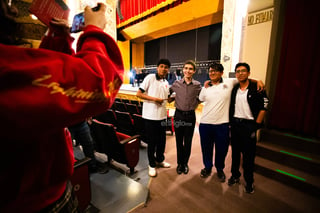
{"x": 158, "y": 77}
{"x": 191, "y": 82}
{"x": 221, "y": 81}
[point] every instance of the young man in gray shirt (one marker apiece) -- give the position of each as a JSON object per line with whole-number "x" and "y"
{"x": 186, "y": 101}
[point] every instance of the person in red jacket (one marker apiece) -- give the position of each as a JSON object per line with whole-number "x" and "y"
{"x": 41, "y": 93}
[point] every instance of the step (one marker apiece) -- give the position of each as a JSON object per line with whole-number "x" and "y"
{"x": 292, "y": 177}
{"x": 304, "y": 144}
{"x": 300, "y": 160}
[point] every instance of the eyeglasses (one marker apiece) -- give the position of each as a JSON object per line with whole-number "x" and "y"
{"x": 241, "y": 71}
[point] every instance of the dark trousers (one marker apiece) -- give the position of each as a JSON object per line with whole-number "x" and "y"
{"x": 243, "y": 140}
{"x": 67, "y": 203}
{"x": 156, "y": 139}
{"x": 81, "y": 133}
{"x": 184, "y": 123}
{"x": 210, "y": 135}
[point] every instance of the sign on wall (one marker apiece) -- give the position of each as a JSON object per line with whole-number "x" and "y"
{"x": 260, "y": 17}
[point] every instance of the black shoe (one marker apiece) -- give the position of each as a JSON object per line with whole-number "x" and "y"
{"x": 221, "y": 176}
{"x": 102, "y": 170}
{"x": 249, "y": 188}
{"x": 92, "y": 170}
{"x": 179, "y": 169}
{"x": 205, "y": 173}
{"x": 233, "y": 181}
{"x": 186, "y": 169}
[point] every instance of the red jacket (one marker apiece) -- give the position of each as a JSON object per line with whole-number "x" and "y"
{"x": 42, "y": 92}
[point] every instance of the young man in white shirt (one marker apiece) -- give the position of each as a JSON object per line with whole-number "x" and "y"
{"x": 155, "y": 90}
{"x": 214, "y": 123}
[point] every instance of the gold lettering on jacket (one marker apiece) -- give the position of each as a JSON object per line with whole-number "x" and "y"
{"x": 80, "y": 95}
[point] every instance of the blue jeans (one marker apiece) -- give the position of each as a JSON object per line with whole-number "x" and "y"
{"x": 210, "y": 135}
{"x": 81, "y": 133}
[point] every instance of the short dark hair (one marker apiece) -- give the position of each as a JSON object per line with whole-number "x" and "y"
{"x": 164, "y": 61}
{"x": 216, "y": 66}
{"x": 242, "y": 64}
{"x": 192, "y": 63}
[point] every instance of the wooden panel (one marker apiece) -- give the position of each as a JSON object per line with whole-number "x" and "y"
{"x": 125, "y": 52}
{"x": 137, "y": 54}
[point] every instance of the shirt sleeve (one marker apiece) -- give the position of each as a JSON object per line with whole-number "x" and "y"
{"x": 57, "y": 42}
{"x": 171, "y": 89}
{"x": 202, "y": 96}
{"x": 145, "y": 83}
{"x": 232, "y": 81}
{"x": 45, "y": 85}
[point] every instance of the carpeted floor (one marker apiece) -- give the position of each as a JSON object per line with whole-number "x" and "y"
{"x": 170, "y": 192}
{"x": 118, "y": 192}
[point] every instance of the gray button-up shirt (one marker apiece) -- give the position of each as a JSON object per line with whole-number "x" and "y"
{"x": 187, "y": 95}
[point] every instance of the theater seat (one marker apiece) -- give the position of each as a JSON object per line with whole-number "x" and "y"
{"x": 108, "y": 116}
{"x": 125, "y": 123}
{"x": 117, "y": 146}
{"x": 170, "y": 123}
{"x": 120, "y": 106}
{"x": 81, "y": 183}
{"x": 132, "y": 109}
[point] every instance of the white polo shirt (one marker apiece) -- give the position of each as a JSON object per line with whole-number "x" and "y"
{"x": 155, "y": 88}
{"x": 216, "y": 100}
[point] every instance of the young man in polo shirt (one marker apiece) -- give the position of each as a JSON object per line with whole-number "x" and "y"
{"x": 214, "y": 122}
{"x": 154, "y": 90}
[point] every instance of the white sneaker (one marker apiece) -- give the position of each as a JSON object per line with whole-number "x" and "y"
{"x": 152, "y": 171}
{"x": 164, "y": 164}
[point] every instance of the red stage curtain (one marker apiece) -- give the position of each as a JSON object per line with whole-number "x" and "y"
{"x": 296, "y": 105}
{"x": 135, "y": 10}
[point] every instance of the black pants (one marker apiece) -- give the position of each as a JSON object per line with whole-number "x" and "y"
{"x": 184, "y": 123}
{"x": 156, "y": 139}
{"x": 243, "y": 140}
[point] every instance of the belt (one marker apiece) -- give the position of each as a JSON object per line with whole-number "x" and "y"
{"x": 185, "y": 112}
{"x": 242, "y": 120}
